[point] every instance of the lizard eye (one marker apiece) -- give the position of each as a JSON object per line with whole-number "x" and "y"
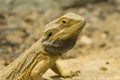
{"x": 64, "y": 21}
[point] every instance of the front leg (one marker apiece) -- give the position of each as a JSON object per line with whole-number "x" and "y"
{"x": 40, "y": 69}
{"x": 57, "y": 69}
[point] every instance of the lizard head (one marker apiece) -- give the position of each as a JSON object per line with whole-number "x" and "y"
{"x": 61, "y": 34}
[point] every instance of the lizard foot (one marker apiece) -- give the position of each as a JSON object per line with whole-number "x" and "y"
{"x": 71, "y": 74}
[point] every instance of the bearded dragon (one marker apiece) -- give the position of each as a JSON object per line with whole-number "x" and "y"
{"x": 58, "y": 37}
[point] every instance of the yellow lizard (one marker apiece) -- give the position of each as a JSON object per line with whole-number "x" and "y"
{"x": 58, "y": 37}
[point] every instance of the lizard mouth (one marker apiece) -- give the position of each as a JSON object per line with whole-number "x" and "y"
{"x": 57, "y": 43}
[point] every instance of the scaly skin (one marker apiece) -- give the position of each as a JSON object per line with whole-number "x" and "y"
{"x": 58, "y": 37}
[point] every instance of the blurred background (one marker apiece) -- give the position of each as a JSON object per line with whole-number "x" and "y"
{"x": 22, "y": 22}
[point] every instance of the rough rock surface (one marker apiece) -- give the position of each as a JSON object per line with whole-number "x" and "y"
{"x": 103, "y": 65}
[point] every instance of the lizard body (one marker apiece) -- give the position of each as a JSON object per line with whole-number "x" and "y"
{"x": 58, "y": 37}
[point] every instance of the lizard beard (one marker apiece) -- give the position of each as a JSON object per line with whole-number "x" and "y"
{"x": 58, "y": 46}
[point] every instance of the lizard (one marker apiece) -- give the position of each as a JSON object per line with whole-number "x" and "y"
{"x": 59, "y": 36}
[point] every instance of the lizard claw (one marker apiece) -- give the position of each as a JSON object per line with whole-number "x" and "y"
{"x": 71, "y": 74}
{"x": 76, "y": 73}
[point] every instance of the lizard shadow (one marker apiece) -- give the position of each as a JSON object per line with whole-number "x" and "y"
{"x": 56, "y": 77}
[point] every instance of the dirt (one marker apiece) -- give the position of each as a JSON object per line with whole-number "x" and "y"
{"x": 19, "y": 30}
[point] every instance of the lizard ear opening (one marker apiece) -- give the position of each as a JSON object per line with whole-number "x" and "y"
{"x": 50, "y": 34}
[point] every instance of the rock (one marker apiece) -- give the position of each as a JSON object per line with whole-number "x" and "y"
{"x": 85, "y": 40}
{"x": 102, "y": 65}
{"x": 100, "y": 40}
